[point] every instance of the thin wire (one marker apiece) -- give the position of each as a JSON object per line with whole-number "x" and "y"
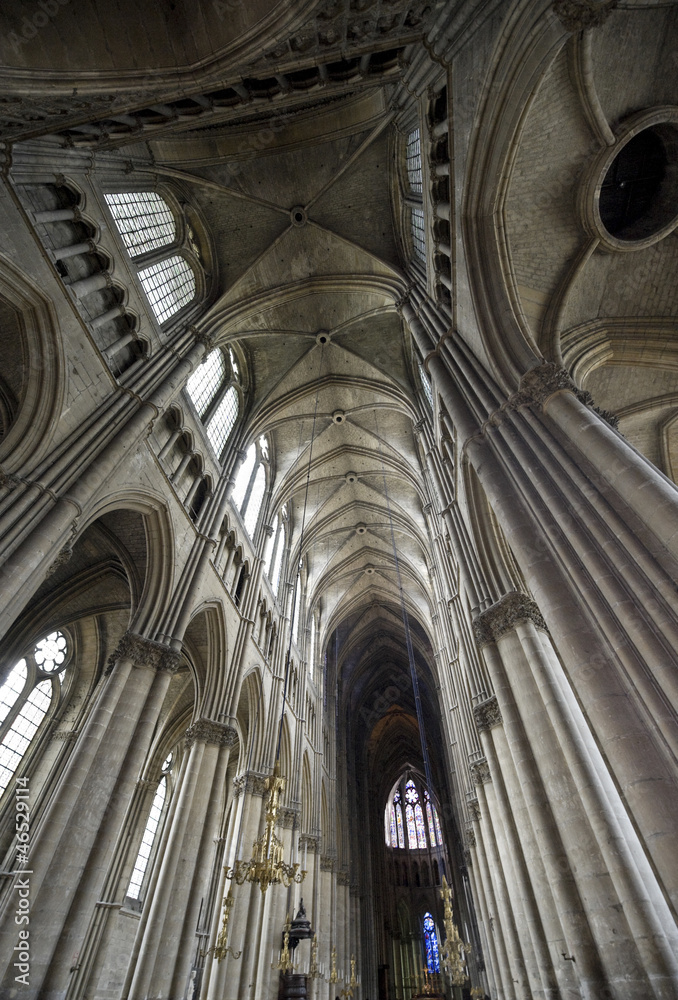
{"x": 301, "y": 548}
{"x": 406, "y": 623}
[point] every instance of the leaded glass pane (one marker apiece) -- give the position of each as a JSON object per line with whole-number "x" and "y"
{"x": 394, "y": 831}
{"x": 23, "y": 729}
{"x": 414, "y": 161}
{"x": 426, "y": 385}
{"x": 431, "y": 828}
{"x": 411, "y": 828}
{"x": 411, "y": 793}
{"x": 12, "y": 688}
{"x": 204, "y": 383}
{"x": 421, "y": 829}
{"x": 169, "y": 284}
{"x": 399, "y": 823}
{"x": 51, "y": 651}
{"x": 431, "y": 943}
{"x": 147, "y": 841}
{"x": 223, "y": 420}
{"x": 419, "y": 234}
{"x": 255, "y": 500}
{"x": 144, "y": 220}
{"x": 242, "y": 479}
{"x": 437, "y": 823}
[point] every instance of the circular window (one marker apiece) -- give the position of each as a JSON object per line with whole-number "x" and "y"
{"x": 630, "y": 197}
{"x": 631, "y": 191}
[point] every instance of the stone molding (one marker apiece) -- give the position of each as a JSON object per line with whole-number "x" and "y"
{"x": 474, "y": 810}
{"x": 487, "y": 714}
{"x": 480, "y": 772}
{"x": 202, "y": 338}
{"x": 542, "y": 381}
{"x": 327, "y": 864}
{"x": 250, "y": 781}
{"x": 145, "y": 653}
{"x": 66, "y": 735}
{"x": 577, "y": 15}
{"x": 309, "y": 842}
{"x": 502, "y": 617}
{"x": 209, "y": 731}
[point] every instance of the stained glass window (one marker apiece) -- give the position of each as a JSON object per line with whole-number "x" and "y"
{"x": 223, "y": 421}
{"x": 438, "y": 830}
{"x": 411, "y": 827}
{"x": 421, "y": 829}
{"x": 169, "y": 285}
{"x": 429, "y": 816}
{"x": 147, "y": 841}
{"x": 143, "y": 219}
{"x": 399, "y": 823}
{"x": 394, "y": 832}
{"x": 411, "y": 793}
{"x": 204, "y": 383}
{"x": 431, "y": 944}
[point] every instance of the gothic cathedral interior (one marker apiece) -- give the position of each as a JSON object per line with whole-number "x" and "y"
{"x": 338, "y": 505}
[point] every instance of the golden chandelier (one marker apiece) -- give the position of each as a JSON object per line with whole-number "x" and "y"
{"x": 454, "y": 950}
{"x": 267, "y": 866}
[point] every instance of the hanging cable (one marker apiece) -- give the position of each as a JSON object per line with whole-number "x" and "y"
{"x": 301, "y": 544}
{"x": 406, "y": 623}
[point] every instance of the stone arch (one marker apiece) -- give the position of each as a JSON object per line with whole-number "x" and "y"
{"x": 152, "y": 554}
{"x": 31, "y": 395}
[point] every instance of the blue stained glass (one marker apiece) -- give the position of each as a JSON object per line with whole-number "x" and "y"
{"x": 399, "y": 819}
{"x": 421, "y": 829}
{"x": 394, "y": 835}
{"x": 431, "y": 943}
{"x": 439, "y": 832}
{"x": 411, "y": 828}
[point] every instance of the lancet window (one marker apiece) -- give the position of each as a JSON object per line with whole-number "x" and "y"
{"x": 411, "y": 818}
{"x": 250, "y": 484}
{"x": 162, "y": 244}
{"x": 275, "y": 557}
{"x": 431, "y": 944}
{"x": 214, "y": 390}
{"x": 26, "y": 697}
{"x": 150, "y": 833}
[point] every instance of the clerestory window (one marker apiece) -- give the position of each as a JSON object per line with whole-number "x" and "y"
{"x": 150, "y": 832}
{"x": 33, "y": 684}
{"x": 165, "y": 252}
{"x": 213, "y": 389}
{"x": 250, "y": 484}
{"x": 275, "y": 556}
{"x": 411, "y": 818}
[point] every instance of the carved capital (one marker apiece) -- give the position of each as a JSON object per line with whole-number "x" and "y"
{"x": 474, "y": 809}
{"x": 503, "y": 616}
{"x": 487, "y": 714}
{"x": 288, "y": 818}
{"x": 61, "y": 560}
{"x": 250, "y": 781}
{"x": 576, "y": 15}
{"x": 309, "y": 842}
{"x": 8, "y": 481}
{"x": 145, "y": 653}
{"x": 541, "y": 382}
{"x": 209, "y": 731}
{"x": 480, "y": 772}
{"x": 202, "y": 338}
{"x": 327, "y": 864}
{"x": 343, "y": 878}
